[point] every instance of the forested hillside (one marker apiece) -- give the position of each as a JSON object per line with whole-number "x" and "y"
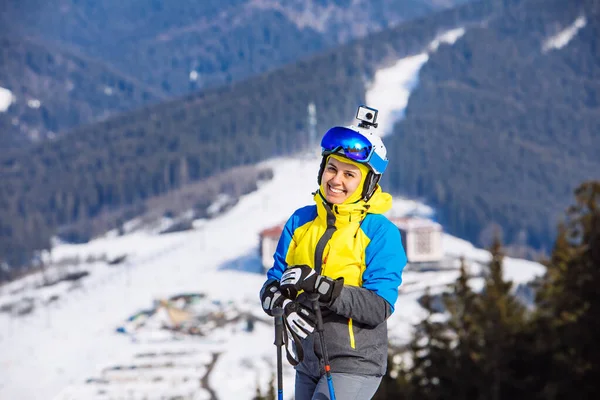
{"x": 163, "y": 41}
{"x": 499, "y": 130}
{"x": 69, "y": 63}
{"x": 502, "y": 127}
{"x": 138, "y": 155}
{"x": 56, "y": 89}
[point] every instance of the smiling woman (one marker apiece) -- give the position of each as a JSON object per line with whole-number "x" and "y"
{"x": 337, "y": 269}
{"x": 342, "y": 180}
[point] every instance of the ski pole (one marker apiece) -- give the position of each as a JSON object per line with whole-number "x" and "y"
{"x": 278, "y": 314}
{"x": 314, "y": 298}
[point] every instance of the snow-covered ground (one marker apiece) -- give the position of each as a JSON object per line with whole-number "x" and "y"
{"x": 391, "y": 88}
{"x": 562, "y": 38}
{"x": 61, "y": 341}
{"x": 6, "y": 99}
{"x": 64, "y": 342}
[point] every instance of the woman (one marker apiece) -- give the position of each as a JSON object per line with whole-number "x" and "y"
{"x": 347, "y": 251}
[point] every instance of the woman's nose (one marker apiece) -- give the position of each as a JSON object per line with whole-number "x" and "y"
{"x": 337, "y": 178}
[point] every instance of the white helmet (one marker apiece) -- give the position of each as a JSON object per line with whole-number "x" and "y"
{"x": 359, "y": 145}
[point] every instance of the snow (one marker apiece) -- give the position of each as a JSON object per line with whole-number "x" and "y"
{"x": 449, "y": 37}
{"x": 34, "y": 103}
{"x": 514, "y": 269}
{"x": 79, "y": 327}
{"x": 391, "y": 86}
{"x": 73, "y": 338}
{"x": 312, "y": 15}
{"x": 67, "y": 346}
{"x": 562, "y": 38}
{"x": 6, "y": 99}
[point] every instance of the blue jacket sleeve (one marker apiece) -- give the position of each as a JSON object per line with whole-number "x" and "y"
{"x": 279, "y": 264}
{"x": 385, "y": 259}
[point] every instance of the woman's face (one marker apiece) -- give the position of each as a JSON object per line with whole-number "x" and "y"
{"x": 340, "y": 180}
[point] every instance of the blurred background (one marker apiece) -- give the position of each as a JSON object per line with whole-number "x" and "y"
{"x": 151, "y": 149}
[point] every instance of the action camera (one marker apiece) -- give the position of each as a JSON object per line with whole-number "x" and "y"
{"x": 367, "y": 117}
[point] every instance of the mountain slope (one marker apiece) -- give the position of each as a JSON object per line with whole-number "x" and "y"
{"x": 71, "y": 329}
{"x": 56, "y": 89}
{"x": 487, "y": 139}
{"x": 200, "y": 36}
{"x": 130, "y": 158}
{"x": 502, "y": 127}
{"x": 86, "y": 60}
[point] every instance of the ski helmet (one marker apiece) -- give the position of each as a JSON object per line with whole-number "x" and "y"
{"x": 359, "y": 145}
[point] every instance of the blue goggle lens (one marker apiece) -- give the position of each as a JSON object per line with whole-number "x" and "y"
{"x": 354, "y": 145}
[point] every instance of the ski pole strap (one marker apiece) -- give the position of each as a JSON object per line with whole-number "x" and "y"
{"x": 293, "y": 346}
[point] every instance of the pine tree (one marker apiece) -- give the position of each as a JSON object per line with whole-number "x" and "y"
{"x": 468, "y": 355}
{"x": 463, "y": 307}
{"x": 502, "y": 318}
{"x": 432, "y": 370}
{"x": 258, "y": 394}
{"x": 271, "y": 393}
{"x": 568, "y": 303}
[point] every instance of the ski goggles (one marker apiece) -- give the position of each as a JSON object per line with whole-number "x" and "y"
{"x": 353, "y": 146}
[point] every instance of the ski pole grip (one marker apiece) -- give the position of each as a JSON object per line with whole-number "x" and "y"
{"x": 278, "y": 314}
{"x": 314, "y": 297}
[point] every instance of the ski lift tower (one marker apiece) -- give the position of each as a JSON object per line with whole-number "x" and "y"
{"x": 312, "y": 127}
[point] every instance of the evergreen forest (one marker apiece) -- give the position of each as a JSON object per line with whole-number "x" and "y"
{"x": 498, "y": 132}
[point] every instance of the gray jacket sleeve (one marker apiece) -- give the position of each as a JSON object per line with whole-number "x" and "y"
{"x": 362, "y": 305}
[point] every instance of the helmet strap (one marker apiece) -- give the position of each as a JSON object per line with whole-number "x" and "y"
{"x": 369, "y": 186}
{"x": 321, "y": 169}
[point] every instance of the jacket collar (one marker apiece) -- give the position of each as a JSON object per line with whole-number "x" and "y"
{"x": 345, "y": 213}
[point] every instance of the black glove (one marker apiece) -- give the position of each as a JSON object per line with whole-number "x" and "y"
{"x": 298, "y": 318}
{"x": 270, "y": 296}
{"x": 303, "y": 277}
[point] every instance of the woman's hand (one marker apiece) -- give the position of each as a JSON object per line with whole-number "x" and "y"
{"x": 298, "y": 318}
{"x": 303, "y": 277}
{"x": 270, "y": 296}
